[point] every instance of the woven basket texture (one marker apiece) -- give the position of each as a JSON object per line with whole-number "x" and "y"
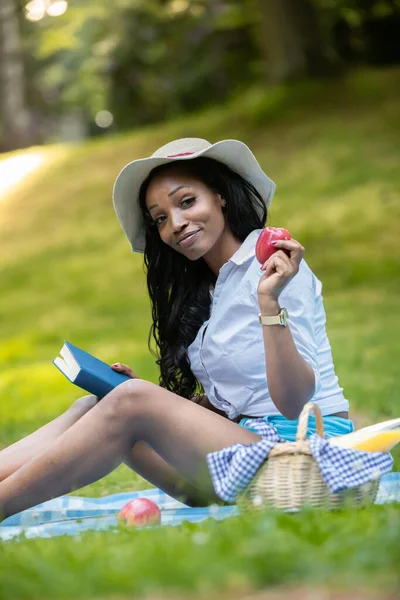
{"x": 290, "y": 478}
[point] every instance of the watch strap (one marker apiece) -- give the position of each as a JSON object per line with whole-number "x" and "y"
{"x": 280, "y": 319}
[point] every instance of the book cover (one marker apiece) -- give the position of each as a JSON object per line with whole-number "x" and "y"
{"x": 86, "y": 371}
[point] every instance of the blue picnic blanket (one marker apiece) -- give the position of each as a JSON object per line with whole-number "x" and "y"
{"x": 70, "y": 515}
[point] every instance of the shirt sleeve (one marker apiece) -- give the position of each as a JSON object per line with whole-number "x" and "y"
{"x": 299, "y": 299}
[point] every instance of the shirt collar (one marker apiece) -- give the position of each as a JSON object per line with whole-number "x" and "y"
{"x": 247, "y": 249}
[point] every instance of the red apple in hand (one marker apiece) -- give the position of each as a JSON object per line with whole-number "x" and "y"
{"x": 140, "y": 512}
{"x": 264, "y": 247}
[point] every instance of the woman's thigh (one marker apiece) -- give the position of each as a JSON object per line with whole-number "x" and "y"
{"x": 179, "y": 431}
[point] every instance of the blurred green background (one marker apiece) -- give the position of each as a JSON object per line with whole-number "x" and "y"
{"x": 77, "y": 68}
{"x": 312, "y": 88}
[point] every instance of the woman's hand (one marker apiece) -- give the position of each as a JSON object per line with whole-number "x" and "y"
{"x": 125, "y": 370}
{"x": 280, "y": 268}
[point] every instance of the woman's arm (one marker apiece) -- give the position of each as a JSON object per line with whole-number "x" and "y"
{"x": 291, "y": 380}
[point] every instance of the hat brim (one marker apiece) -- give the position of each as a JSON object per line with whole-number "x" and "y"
{"x": 233, "y": 153}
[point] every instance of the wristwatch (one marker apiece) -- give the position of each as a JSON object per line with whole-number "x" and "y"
{"x": 281, "y": 319}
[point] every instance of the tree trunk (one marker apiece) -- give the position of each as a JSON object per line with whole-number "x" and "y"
{"x": 14, "y": 118}
{"x": 290, "y": 38}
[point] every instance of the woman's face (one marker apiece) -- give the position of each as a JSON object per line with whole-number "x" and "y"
{"x": 187, "y": 213}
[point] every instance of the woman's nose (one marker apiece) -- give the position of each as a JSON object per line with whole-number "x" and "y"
{"x": 178, "y": 222}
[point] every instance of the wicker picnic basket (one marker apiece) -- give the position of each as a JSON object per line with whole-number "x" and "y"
{"x": 290, "y": 478}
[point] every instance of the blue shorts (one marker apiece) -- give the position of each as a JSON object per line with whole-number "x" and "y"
{"x": 287, "y": 429}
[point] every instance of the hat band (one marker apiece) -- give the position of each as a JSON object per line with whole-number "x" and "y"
{"x": 181, "y": 154}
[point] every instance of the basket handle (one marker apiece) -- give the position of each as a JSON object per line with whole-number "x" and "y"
{"x": 303, "y": 421}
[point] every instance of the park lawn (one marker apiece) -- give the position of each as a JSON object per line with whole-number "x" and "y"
{"x": 67, "y": 273}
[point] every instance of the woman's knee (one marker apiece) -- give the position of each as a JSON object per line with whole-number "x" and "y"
{"x": 128, "y": 398}
{"x": 135, "y": 388}
{"x": 81, "y": 406}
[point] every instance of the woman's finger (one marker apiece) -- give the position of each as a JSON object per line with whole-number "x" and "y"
{"x": 295, "y": 249}
{"x": 121, "y": 368}
{"x": 277, "y": 263}
{"x": 272, "y": 260}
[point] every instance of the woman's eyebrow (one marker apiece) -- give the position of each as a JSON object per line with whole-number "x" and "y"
{"x": 178, "y": 188}
{"x": 170, "y": 194}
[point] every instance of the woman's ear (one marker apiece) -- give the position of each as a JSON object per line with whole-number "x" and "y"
{"x": 221, "y": 200}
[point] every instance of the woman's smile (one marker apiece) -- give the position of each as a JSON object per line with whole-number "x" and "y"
{"x": 188, "y": 239}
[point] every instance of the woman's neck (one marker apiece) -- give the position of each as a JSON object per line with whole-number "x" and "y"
{"x": 222, "y": 251}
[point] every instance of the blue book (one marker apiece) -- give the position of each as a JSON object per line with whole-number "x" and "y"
{"x": 87, "y": 372}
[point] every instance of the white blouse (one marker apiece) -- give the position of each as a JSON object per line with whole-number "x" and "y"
{"x": 227, "y": 355}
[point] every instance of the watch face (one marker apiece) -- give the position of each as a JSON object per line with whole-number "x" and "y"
{"x": 284, "y": 316}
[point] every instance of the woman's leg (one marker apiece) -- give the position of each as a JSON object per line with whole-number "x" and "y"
{"x": 179, "y": 431}
{"x": 148, "y": 464}
{"x": 15, "y": 456}
{"x": 142, "y": 459}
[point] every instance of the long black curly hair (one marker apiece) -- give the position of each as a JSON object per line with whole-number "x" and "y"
{"x": 180, "y": 289}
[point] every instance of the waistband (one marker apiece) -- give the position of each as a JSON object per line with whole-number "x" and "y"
{"x": 287, "y": 429}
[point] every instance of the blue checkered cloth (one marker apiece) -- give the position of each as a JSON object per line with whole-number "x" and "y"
{"x": 233, "y": 468}
{"x": 73, "y": 515}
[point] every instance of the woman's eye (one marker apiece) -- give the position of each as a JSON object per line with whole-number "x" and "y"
{"x": 184, "y": 204}
{"x": 188, "y": 201}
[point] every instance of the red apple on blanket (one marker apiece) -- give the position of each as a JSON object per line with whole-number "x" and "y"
{"x": 264, "y": 247}
{"x": 140, "y": 512}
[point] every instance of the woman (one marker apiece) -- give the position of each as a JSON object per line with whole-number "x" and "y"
{"x": 220, "y": 324}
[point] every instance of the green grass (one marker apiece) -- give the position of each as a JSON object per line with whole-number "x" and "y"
{"x": 67, "y": 273}
{"x": 346, "y": 549}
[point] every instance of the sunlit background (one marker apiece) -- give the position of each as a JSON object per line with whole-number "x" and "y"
{"x": 82, "y": 68}
{"x": 15, "y": 168}
{"x": 37, "y": 9}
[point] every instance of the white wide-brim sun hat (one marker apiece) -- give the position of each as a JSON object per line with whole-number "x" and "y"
{"x": 236, "y": 155}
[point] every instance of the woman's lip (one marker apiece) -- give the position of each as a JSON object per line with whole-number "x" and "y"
{"x": 189, "y": 240}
